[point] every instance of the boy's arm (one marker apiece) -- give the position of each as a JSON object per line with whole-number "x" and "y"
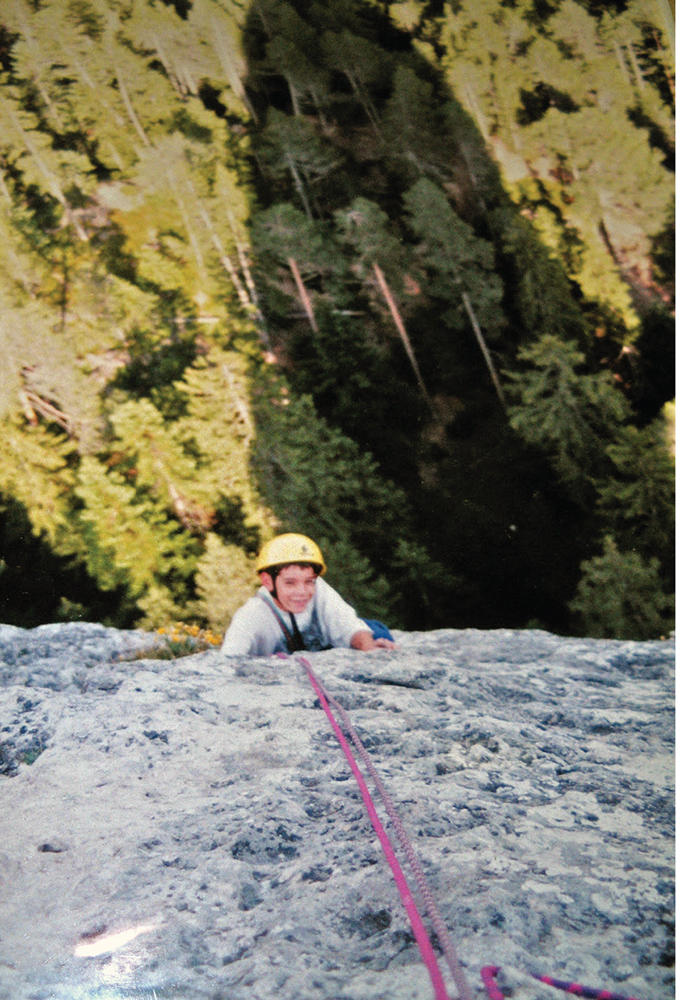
{"x": 237, "y": 641}
{"x": 253, "y": 631}
{"x": 343, "y": 625}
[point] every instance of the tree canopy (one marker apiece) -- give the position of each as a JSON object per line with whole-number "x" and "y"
{"x": 395, "y": 278}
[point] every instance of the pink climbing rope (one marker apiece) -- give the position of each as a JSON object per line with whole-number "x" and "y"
{"x": 582, "y": 991}
{"x": 489, "y": 972}
{"x": 422, "y": 939}
{"x": 436, "y": 919}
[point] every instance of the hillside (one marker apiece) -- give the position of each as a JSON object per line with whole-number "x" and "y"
{"x": 399, "y": 277}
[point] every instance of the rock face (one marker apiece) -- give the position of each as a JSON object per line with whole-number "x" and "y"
{"x": 190, "y": 828}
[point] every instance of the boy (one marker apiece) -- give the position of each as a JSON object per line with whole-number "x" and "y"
{"x": 294, "y": 608}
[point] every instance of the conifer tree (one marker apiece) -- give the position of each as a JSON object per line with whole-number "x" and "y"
{"x": 620, "y": 596}
{"x": 219, "y": 428}
{"x": 307, "y": 81}
{"x": 283, "y": 233}
{"x": 637, "y": 499}
{"x": 456, "y": 259}
{"x": 541, "y": 298}
{"x": 319, "y": 483}
{"x": 125, "y": 190}
{"x": 561, "y": 99}
{"x": 290, "y": 51}
{"x": 366, "y": 229}
{"x": 290, "y": 148}
{"x": 224, "y": 580}
{"x": 150, "y": 518}
{"x": 482, "y": 46}
{"x": 411, "y": 125}
{"x": 366, "y": 66}
{"x": 36, "y": 470}
{"x": 569, "y": 415}
{"x": 130, "y": 541}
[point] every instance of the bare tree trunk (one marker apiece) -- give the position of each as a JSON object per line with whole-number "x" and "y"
{"x": 620, "y": 62}
{"x": 299, "y": 184}
{"x": 124, "y": 94}
{"x": 635, "y": 66}
{"x": 484, "y": 348}
{"x": 243, "y": 262}
{"x": 222, "y": 47}
{"x": 398, "y": 322}
{"x": 246, "y": 299}
{"x": 196, "y": 249}
{"x": 225, "y": 260}
{"x": 471, "y": 98}
{"x": 49, "y": 175}
{"x": 365, "y": 102}
{"x": 295, "y": 104}
{"x": 304, "y": 297}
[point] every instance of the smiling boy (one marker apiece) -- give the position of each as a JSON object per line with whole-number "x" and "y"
{"x": 295, "y": 609}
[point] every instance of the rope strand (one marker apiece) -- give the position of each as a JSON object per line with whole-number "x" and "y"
{"x": 489, "y": 972}
{"x": 436, "y": 919}
{"x": 422, "y": 939}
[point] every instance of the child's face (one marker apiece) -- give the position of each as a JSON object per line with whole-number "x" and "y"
{"x": 295, "y": 587}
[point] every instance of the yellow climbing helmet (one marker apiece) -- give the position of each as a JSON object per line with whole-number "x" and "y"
{"x": 290, "y": 548}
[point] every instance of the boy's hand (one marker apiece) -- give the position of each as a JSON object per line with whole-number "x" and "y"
{"x": 365, "y": 642}
{"x": 383, "y": 644}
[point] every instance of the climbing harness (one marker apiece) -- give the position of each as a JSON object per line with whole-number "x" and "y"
{"x": 488, "y": 973}
{"x": 295, "y": 643}
{"x": 294, "y": 640}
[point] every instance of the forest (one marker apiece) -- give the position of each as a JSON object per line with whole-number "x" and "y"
{"x": 396, "y": 275}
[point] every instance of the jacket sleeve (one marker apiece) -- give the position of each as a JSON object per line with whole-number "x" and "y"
{"x": 253, "y": 631}
{"x": 339, "y": 620}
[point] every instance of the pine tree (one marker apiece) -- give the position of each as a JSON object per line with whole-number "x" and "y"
{"x": 130, "y": 541}
{"x": 219, "y": 430}
{"x": 36, "y": 470}
{"x": 123, "y": 219}
{"x": 456, "y": 259}
{"x": 319, "y": 483}
{"x": 367, "y": 67}
{"x": 366, "y": 229}
{"x": 620, "y": 596}
{"x": 483, "y": 43}
{"x": 283, "y": 234}
{"x": 637, "y": 500}
{"x": 290, "y": 51}
{"x": 569, "y": 415}
{"x": 552, "y": 96}
{"x": 605, "y": 214}
{"x": 29, "y": 151}
{"x": 307, "y": 81}
{"x": 291, "y": 149}
{"x": 541, "y": 296}
{"x": 411, "y": 125}
{"x": 224, "y": 580}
